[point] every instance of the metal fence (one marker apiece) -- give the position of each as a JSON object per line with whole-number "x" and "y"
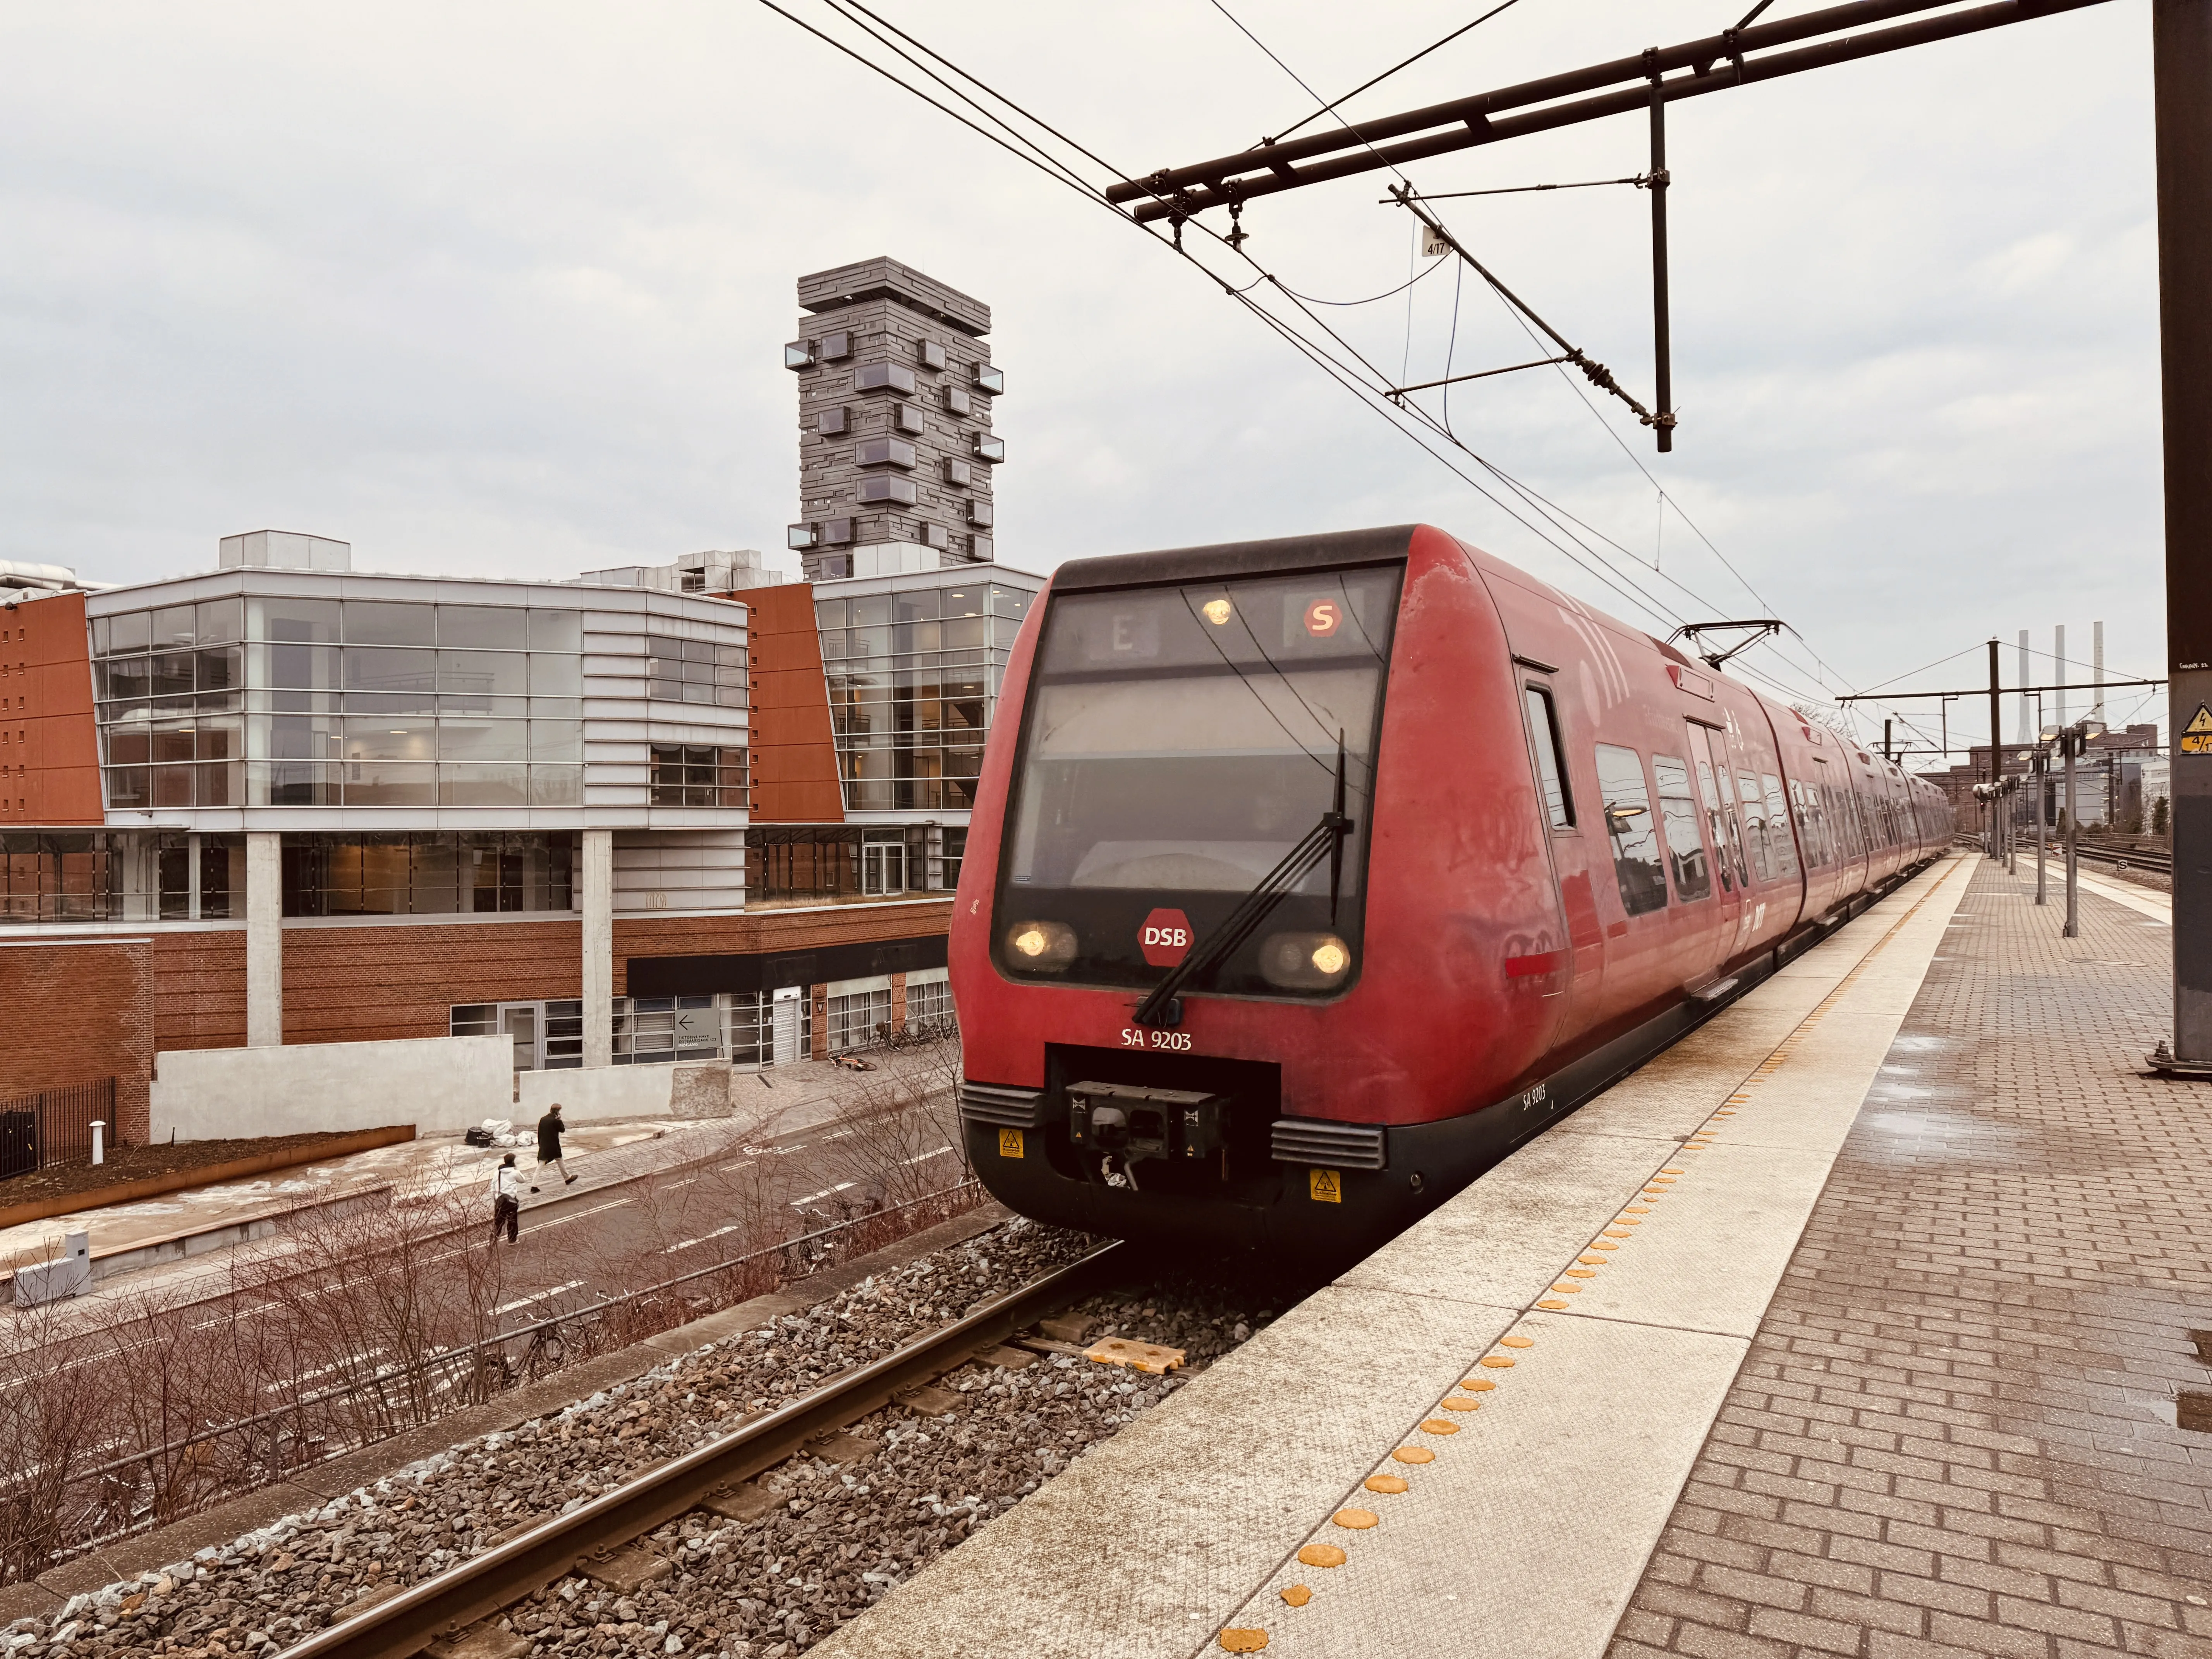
{"x": 54, "y": 1127}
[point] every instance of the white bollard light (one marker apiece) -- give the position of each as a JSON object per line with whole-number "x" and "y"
{"x": 99, "y": 1141}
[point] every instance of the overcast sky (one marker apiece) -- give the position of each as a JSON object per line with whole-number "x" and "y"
{"x": 500, "y": 290}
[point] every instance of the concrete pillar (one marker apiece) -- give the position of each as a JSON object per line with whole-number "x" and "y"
{"x": 264, "y": 940}
{"x": 598, "y": 888}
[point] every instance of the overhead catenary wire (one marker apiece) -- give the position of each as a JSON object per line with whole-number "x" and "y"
{"x": 1545, "y": 525}
{"x": 1407, "y": 62}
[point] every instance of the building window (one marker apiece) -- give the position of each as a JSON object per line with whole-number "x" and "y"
{"x": 882, "y": 863}
{"x": 802, "y": 864}
{"x": 901, "y": 490}
{"x": 913, "y": 675}
{"x": 687, "y": 776}
{"x": 929, "y": 1007}
{"x": 831, "y": 422}
{"x": 930, "y": 354}
{"x": 429, "y": 873}
{"x": 956, "y": 849}
{"x": 989, "y": 380}
{"x": 696, "y": 671}
{"x": 664, "y": 1030}
{"x": 545, "y": 1036}
{"x": 884, "y": 376}
{"x": 988, "y": 448}
{"x": 860, "y": 1019}
{"x": 883, "y": 452}
{"x": 958, "y": 401}
{"x": 325, "y": 702}
{"x": 958, "y": 473}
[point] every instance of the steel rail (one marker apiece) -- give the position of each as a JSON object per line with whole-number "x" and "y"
{"x": 450, "y": 1601}
{"x": 2159, "y": 862}
{"x": 1179, "y": 192}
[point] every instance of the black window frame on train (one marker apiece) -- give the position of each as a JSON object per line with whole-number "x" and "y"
{"x": 1637, "y": 897}
{"x": 1554, "y": 785}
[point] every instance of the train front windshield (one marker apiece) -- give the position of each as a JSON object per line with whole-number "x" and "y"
{"x": 1178, "y": 743}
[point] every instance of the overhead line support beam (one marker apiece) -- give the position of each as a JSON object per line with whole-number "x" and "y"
{"x": 1469, "y": 122}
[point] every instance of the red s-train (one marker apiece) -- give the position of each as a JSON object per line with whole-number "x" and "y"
{"x": 1306, "y": 877}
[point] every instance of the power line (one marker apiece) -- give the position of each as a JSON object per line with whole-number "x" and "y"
{"x": 1330, "y": 109}
{"x": 1027, "y": 149}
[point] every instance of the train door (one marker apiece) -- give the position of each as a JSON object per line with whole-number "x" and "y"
{"x": 1570, "y": 853}
{"x": 1709, "y": 756}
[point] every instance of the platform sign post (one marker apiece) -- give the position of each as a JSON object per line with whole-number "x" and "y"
{"x": 2181, "y": 75}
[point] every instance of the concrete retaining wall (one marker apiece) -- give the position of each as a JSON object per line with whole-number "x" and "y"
{"x": 437, "y": 1084}
{"x": 699, "y": 1089}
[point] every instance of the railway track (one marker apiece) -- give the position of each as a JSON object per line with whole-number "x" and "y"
{"x": 2126, "y": 858}
{"x": 448, "y": 1603}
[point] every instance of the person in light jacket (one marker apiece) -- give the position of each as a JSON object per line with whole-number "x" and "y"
{"x": 506, "y": 1199}
{"x": 550, "y": 1128}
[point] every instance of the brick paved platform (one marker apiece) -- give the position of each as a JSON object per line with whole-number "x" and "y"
{"x": 1955, "y": 1432}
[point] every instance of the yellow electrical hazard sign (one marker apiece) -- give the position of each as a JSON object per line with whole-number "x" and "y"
{"x": 1327, "y": 1186}
{"x": 2196, "y": 735}
{"x": 1010, "y": 1143}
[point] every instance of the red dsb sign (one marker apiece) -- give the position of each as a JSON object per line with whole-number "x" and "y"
{"x": 1165, "y": 937}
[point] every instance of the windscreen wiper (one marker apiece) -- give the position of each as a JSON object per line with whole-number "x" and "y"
{"x": 1164, "y": 1007}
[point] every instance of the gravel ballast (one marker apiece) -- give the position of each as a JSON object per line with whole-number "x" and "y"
{"x": 838, "y": 1534}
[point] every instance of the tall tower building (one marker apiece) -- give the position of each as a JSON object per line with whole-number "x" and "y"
{"x": 895, "y": 451}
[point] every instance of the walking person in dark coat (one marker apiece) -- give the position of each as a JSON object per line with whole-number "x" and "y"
{"x": 506, "y": 1200}
{"x": 550, "y": 1128}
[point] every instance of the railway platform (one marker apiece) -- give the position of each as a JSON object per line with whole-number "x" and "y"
{"x": 1863, "y": 1321}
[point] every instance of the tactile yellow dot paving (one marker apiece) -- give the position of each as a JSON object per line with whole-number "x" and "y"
{"x": 1460, "y": 1402}
{"x": 1297, "y": 1594}
{"x": 1322, "y": 1555}
{"x": 1356, "y": 1520}
{"x": 1415, "y": 1454}
{"x": 1516, "y": 1341}
{"x": 1438, "y": 1425}
{"x": 1243, "y": 1641}
{"x": 1478, "y": 1385}
{"x": 1390, "y": 1483}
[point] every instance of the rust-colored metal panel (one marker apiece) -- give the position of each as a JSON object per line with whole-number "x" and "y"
{"x": 795, "y": 760}
{"x": 49, "y": 757}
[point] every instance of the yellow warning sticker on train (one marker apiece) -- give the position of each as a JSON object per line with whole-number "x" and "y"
{"x": 1327, "y": 1186}
{"x": 2196, "y": 735}
{"x": 1010, "y": 1143}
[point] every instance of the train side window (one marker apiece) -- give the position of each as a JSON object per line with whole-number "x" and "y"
{"x": 1778, "y": 821}
{"x": 1685, "y": 842}
{"x": 1551, "y": 759}
{"x": 1756, "y": 830}
{"x": 1628, "y": 825}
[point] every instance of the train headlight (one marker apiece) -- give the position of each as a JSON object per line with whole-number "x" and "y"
{"x": 1305, "y": 962}
{"x": 1045, "y": 946}
{"x": 1218, "y": 611}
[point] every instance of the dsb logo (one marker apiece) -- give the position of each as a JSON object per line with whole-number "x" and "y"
{"x": 1165, "y": 937}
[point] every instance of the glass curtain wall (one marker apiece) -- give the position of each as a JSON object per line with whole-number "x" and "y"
{"x": 273, "y": 702}
{"x": 913, "y": 678}
{"x": 429, "y": 873}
